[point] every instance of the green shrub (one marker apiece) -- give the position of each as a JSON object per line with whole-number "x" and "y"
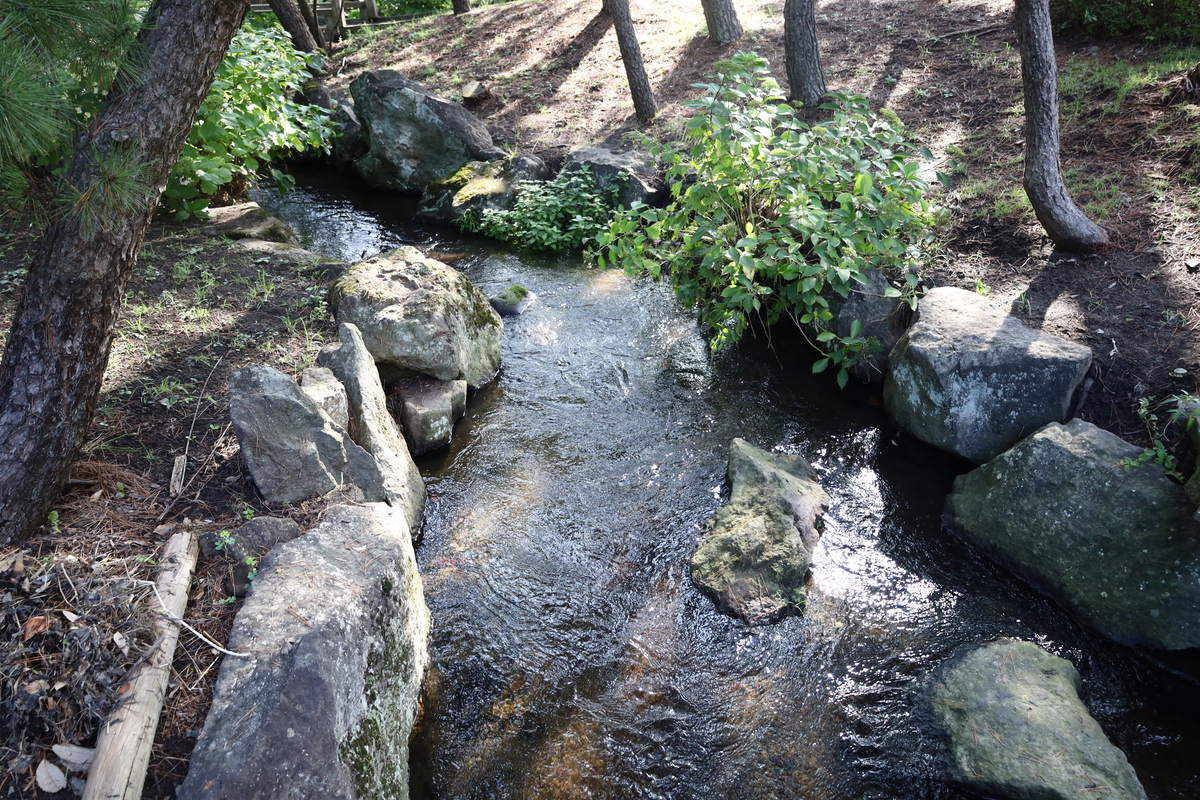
{"x": 398, "y": 8}
{"x": 247, "y": 119}
{"x": 1157, "y": 19}
{"x": 561, "y": 214}
{"x": 767, "y": 213}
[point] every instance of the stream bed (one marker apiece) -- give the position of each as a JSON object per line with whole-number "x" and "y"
{"x": 571, "y": 655}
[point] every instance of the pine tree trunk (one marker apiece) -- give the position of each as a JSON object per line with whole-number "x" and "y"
{"x": 63, "y": 325}
{"x": 721, "y": 18}
{"x": 1066, "y": 225}
{"x": 461, "y": 6}
{"x": 631, "y": 55}
{"x": 293, "y": 22}
{"x": 806, "y": 82}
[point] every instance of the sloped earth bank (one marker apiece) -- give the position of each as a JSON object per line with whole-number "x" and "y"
{"x": 199, "y": 310}
{"x": 573, "y": 656}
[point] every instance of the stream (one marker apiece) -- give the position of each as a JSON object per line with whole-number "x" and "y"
{"x": 571, "y": 655}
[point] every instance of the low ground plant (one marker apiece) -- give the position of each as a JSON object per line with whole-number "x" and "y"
{"x": 769, "y": 215}
{"x": 565, "y": 213}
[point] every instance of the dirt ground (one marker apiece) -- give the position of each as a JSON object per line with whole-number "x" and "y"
{"x": 200, "y": 308}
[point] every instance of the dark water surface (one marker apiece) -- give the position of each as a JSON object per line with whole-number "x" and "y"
{"x": 572, "y": 656}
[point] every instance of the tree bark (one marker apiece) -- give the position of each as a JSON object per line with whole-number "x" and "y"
{"x": 294, "y": 23}
{"x": 1066, "y": 225}
{"x": 721, "y": 18}
{"x": 309, "y": 12}
{"x": 631, "y": 55}
{"x": 461, "y": 6}
{"x": 806, "y": 81}
{"x": 62, "y": 329}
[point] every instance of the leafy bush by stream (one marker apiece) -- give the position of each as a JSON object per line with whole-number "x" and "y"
{"x": 560, "y": 214}
{"x": 768, "y": 213}
{"x": 247, "y": 119}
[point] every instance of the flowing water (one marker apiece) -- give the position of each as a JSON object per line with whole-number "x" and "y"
{"x": 573, "y": 657}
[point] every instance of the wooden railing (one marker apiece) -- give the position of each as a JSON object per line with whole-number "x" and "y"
{"x": 331, "y": 14}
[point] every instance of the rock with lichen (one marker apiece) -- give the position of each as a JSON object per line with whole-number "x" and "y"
{"x": 478, "y": 187}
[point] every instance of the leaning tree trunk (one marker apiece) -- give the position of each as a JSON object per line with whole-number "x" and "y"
{"x": 63, "y": 325}
{"x": 309, "y": 12}
{"x": 294, "y": 23}
{"x": 631, "y": 55}
{"x": 806, "y": 82}
{"x": 1066, "y": 225}
{"x": 721, "y": 18}
{"x": 460, "y": 6}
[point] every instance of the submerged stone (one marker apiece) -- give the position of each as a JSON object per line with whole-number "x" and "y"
{"x": 513, "y": 301}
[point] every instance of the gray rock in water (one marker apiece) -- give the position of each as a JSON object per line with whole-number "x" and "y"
{"x": 248, "y": 221}
{"x": 632, "y": 172}
{"x": 428, "y": 410}
{"x": 372, "y": 425}
{"x": 337, "y": 630}
{"x": 478, "y": 187}
{"x": 1120, "y": 548}
{"x": 1019, "y": 731}
{"x": 414, "y": 137}
{"x": 972, "y": 379}
{"x": 320, "y": 384}
{"x": 293, "y": 450}
{"x": 754, "y": 556}
{"x": 883, "y": 321}
{"x": 513, "y": 301}
{"x": 421, "y": 317}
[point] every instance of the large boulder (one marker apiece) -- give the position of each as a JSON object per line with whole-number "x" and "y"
{"x": 349, "y": 140}
{"x": 372, "y": 425}
{"x": 1018, "y": 730}
{"x": 972, "y": 379}
{"x": 414, "y": 137}
{"x": 335, "y": 632}
{"x": 292, "y": 448}
{"x": 478, "y": 187}
{"x": 421, "y": 317}
{"x": 1119, "y": 547}
{"x": 632, "y": 173}
{"x": 755, "y": 552}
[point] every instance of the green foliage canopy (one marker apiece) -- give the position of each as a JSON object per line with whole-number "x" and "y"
{"x": 1175, "y": 20}
{"x": 768, "y": 214}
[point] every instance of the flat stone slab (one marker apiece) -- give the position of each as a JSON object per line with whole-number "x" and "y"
{"x": 970, "y": 378}
{"x": 1118, "y": 547}
{"x": 248, "y": 221}
{"x": 1017, "y": 729}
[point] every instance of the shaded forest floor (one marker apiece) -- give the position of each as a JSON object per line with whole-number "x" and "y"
{"x": 200, "y": 308}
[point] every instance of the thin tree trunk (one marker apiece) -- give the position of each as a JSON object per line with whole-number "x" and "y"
{"x": 63, "y": 325}
{"x": 309, "y": 12}
{"x": 631, "y": 55}
{"x": 806, "y": 81}
{"x": 721, "y": 18}
{"x": 293, "y": 22}
{"x": 461, "y": 6}
{"x": 1066, "y": 225}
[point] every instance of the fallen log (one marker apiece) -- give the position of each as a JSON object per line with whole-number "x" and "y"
{"x": 123, "y": 747}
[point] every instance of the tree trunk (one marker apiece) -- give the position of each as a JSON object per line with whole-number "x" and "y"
{"x": 309, "y": 12}
{"x": 1066, "y": 225}
{"x": 806, "y": 82}
{"x": 722, "y": 21}
{"x": 631, "y": 55}
{"x": 461, "y": 6}
{"x": 293, "y": 22}
{"x": 63, "y": 325}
